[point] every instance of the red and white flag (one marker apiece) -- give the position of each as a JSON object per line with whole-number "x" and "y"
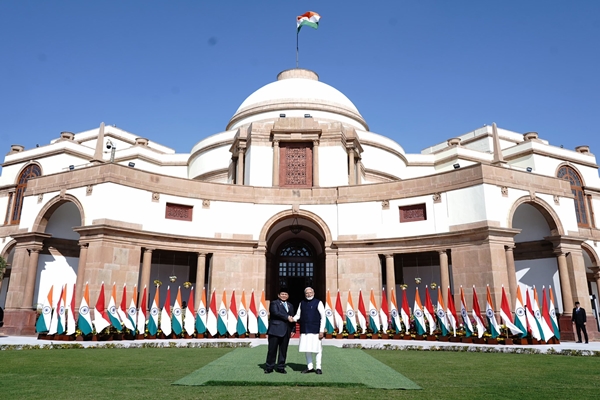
{"x": 428, "y": 311}
{"x": 100, "y": 318}
{"x": 451, "y": 312}
{"x": 477, "y": 315}
{"x": 362, "y": 312}
{"x": 165, "y": 315}
{"x": 189, "y": 320}
{"x": 506, "y": 314}
{"x": 141, "y": 314}
{"x": 405, "y": 312}
{"x": 252, "y": 316}
{"x": 211, "y": 320}
{"x": 337, "y": 315}
{"x": 384, "y": 314}
{"x": 232, "y": 316}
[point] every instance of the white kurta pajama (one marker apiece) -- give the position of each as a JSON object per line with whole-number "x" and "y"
{"x": 310, "y": 342}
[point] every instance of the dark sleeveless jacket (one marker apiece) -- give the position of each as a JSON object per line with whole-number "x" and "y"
{"x": 310, "y": 319}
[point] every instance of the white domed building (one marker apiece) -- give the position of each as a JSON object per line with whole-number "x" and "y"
{"x": 298, "y": 192}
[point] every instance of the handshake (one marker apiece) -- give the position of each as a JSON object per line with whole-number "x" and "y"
{"x": 291, "y": 319}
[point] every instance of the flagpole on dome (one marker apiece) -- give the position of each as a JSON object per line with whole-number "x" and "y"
{"x": 309, "y": 18}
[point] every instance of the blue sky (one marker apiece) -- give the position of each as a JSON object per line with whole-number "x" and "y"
{"x": 419, "y": 72}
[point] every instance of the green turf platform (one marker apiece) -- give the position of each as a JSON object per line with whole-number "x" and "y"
{"x": 341, "y": 367}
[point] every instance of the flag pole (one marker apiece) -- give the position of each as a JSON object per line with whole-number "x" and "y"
{"x": 297, "y": 31}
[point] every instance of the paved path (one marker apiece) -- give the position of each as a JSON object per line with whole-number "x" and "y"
{"x": 366, "y": 343}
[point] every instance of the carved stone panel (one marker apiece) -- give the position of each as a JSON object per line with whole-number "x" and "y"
{"x": 416, "y": 212}
{"x": 295, "y": 165}
{"x": 179, "y": 211}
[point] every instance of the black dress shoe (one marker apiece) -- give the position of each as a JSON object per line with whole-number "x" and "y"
{"x": 282, "y": 371}
{"x": 579, "y": 341}
{"x": 308, "y": 371}
{"x": 319, "y": 372}
{"x": 268, "y": 371}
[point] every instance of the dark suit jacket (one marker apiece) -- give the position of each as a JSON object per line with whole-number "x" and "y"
{"x": 578, "y": 316}
{"x": 278, "y": 319}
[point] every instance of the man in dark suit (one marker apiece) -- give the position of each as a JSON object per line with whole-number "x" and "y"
{"x": 279, "y": 332}
{"x": 579, "y": 320}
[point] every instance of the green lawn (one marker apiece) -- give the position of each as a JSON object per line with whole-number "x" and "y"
{"x": 149, "y": 373}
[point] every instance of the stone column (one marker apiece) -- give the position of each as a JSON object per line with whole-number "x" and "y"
{"x": 275, "y": 163}
{"x": 240, "y": 167}
{"x": 390, "y": 275}
{"x": 444, "y": 274}
{"x": 83, "y": 250}
{"x": 352, "y": 168}
{"x": 511, "y": 271}
{"x": 34, "y": 254}
{"x": 200, "y": 272}
{"x": 596, "y": 271}
{"x": 565, "y": 282}
{"x": 146, "y": 269}
{"x": 315, "y": 155}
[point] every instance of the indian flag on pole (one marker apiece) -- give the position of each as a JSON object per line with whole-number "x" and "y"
{"x": 211, "y": 321}
{"x": 189, "y": 320}
{"x": 122, "y": 311}
{"x": 465, "y": 314}
{"x": 242, "y": 317}
{"x": 263, "y": 321}
{"x": 71, "y": 327}
{"x": 545, "y": 321}
{"x": 350, "y": 315}
{"x": 84, "y": 321}
{"x": 308, "y": 19}
{"x": 362, "y": 312}
{"x": 441, "y": 314}
{"x": 552, "y": 312}
{"x": 252, "y": 316}
{"x": 339, "y": 321}
{"x": 154, "y": 312}
{"x": 373, "y": 314}
{"x": 165, "y": 315}
{"x": 329, "y": 322}
{"x": 112, "y": 309}
{"x": 222, "y": 316}
{"x": 428, "y": 311}
{"x": 491, "y": 316}
{"x": 177, "y": 320}
{"x": 520, "y": 314}
{"x": 394, "y": 314}
{"x": 132, "y": 310}
{"x": 531, "y": 322}
{"x": 476, "y": 312}
{"x": 505, "y": 314}
{"x": 232, "y": 315}
{"x": 100, "y": 318}
{"x": 418, "y": 313}
{"x": 43, "y": 322}
{"x": 405, "y": 311}
{"x": 451, "y": 312}
{"x": 201, "y": 314}
{"x": 384, "y": 314}
{"x": 141, "y": 315}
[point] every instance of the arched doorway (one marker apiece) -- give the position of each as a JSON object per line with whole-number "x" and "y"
{"x": 295, "y": 263}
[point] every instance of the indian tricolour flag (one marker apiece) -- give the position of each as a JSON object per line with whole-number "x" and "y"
{"x": 101, "y": 321}
{"x": 329, "y": 321}
{"x": 154, "y": 312}
{"x": 177, "y": 320}
{"x": 373, "y": 314}
{"x": 543, "y": 320}
{"x": 337, "y": 314}
{"x": 112, "y": 309}
{"x": 491, "y": 315}
{"x": 242, "y": 316}
{"x": 252, "y": 316}
{"x": 441, "y": 314}
{"x": 132, "y": 310}
{"x": 552, "y": 312}
{"x": 308, "y": 19}
{"x": 84, "y": 321}
{"x": 405, "y": 312}
{"x": 201, "y": 314}
{"x": 532, "y": 325}
{"x": 384, "y": 314}
{"x": 520, "y": 314}
{"x": 350, "y": 315}
{"x": 189, "y": 320}
{"x": 362, "y": 312}
{"x": 505, "y": 314}
{"x": 418, "y": 313}
{"x": 394, "y": 314}
{"x": 451, "y": 312}
{"x": 232, "y": 315}
{"x": 465, "y": 314}
{"x": 71, "y": 326}
{"x": 429, "y": 312}
{"x": 122, "y": 311}
{"x": 263, "y": 320}
{"x": 141, "y": 314}
{"x": 476, "y": 312}
{"x": 43, "y": 322}
{"x": 165, "y": 315}
{"x": 211, "y": 320}
{"x": 222, "y": 316}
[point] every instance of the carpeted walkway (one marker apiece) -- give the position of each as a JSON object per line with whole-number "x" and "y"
{"x": 341, "y": 367}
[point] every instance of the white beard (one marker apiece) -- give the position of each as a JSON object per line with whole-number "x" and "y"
{"x": 310, "y": 298}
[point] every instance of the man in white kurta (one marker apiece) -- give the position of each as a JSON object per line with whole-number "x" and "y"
{"x": 311, "y": 315}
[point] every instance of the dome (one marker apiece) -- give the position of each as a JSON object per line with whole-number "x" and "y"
{"x": 297, "y": 91}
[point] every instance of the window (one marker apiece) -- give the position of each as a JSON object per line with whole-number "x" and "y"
{"x": 568, "y": 173}
{"x": 31, "y": 171}
{"x": 179, "y": 212}
{"x": 416, "y": 212}
{"x": 295, "y": 165}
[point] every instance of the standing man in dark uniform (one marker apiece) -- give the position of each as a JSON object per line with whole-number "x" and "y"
{"x": 279, "y": 332}
{"x": 579, "y": 320}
